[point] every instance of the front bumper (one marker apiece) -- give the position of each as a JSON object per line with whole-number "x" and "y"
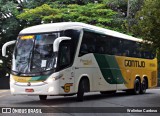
{"x": 39, "y": 88}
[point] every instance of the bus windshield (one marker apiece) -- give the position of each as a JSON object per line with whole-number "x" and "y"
{"x": 34, "y": 53}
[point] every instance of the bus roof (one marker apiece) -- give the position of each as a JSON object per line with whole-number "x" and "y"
{"x": 52, "y": 27}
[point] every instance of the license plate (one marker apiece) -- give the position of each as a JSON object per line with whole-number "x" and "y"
{"x": 29, "y": 90}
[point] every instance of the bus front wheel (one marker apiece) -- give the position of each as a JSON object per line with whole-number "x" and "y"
{"x": 42, "y": 97}
{"x": 81, "y": 90}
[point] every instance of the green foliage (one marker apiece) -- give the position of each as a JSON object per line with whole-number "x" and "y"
{"x": 148, "y": 23}
{"x": 35, "y": 3}
{"x": 39, "y": 12}
{"x": 7, "y": 21}
{"x": 96, "y": 14}
{"x": 117, "y": 5}
{"x": 9, "y": 28}
{"x": 79, "y": 2}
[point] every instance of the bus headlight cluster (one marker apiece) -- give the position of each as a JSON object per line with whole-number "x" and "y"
{"x": 51, "y": 79}
{"x": 50, "y": 89}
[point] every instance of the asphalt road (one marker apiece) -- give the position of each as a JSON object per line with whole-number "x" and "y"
{"x": 93, "y": 104}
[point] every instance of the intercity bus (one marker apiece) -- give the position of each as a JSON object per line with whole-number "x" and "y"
{"x": 71, "y": 58}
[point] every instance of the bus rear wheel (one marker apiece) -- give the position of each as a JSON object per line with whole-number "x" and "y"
{"x": 143, "y": 86}
{"x": 137, "y": 87}
{"x": 42, "y": 97}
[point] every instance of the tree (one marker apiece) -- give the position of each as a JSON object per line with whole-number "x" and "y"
{"x": 9, "y": 28}
{"x": 118, "y": 6}
{"x": 148, "y": 23}
{"x": 92, "y": 13}
{"x": 133, "y": 6}
{"x": 35, "y": 3}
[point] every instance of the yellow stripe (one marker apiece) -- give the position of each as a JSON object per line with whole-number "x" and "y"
{"x": 21, "y": 79}
{"x": 27, "y": 37}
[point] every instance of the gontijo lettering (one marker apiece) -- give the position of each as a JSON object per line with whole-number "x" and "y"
{"x": 134, "y": 63}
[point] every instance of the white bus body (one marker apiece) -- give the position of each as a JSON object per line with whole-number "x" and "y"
{"x": 34, "y": 74}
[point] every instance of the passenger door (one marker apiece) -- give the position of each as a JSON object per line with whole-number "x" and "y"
{"x": 65, "y": 62}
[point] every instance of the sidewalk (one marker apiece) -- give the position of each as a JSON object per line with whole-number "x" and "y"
{"x": 4, "y": 90}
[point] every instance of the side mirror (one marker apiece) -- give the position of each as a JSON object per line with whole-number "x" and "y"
{"x": 58, "y": 41}
{"x": 4, "y": 47}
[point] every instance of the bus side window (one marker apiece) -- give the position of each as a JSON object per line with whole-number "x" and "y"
{"x": 91, "y": 49}
{"x": 139, "y": 54}
{"x": 101, "y": 50}
{"x": 88, "y": 43}
{"x": 127, "y": 53}
{"x": 114, "y": 51}
{"x": 153, "y": 55}
{"x": 134, "y": 53}
{"x": 83, "y": 49}
{"x": 147, "y": 55}
{"x": 74, "y": 34}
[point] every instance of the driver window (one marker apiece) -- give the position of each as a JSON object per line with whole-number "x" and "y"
{"x": 64, "y": 55}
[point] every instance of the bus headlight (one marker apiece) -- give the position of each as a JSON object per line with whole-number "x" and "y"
{"x": 49, "y": 80}
{"x": 53, "y": 78}
{"x": 50, "y": 89}
{"x": 12, "y": 81}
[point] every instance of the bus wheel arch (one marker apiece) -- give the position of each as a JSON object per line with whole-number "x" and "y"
{"x": 144, "y": 85}
{"x": 83, "y": 86}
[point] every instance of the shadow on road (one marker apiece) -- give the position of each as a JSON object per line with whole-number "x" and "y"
{"x": 72, "y": 99}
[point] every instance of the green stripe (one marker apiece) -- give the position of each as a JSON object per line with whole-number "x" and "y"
{"x": 109, "y": 68}
{"x": 38, "y": 78}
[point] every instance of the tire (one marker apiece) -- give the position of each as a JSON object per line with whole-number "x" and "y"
{"x": 42, "y": 97}
{"x": 81, "y": 90}
{"x": 143, "y": 86}
{"x": 107, "y": 92}
{"x": 137, "y": 87}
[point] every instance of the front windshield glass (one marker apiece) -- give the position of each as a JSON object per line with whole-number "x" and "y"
{"x": 43, "y": 56}
{"x": 34, "y": 53}
{"x": 22, "y": 54}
